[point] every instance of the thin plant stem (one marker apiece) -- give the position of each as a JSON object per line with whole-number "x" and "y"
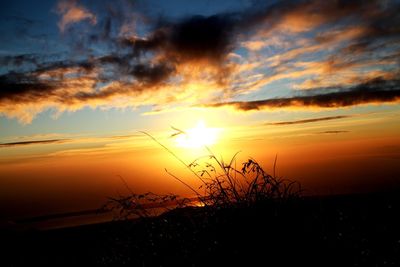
{"x": 174, "y": 155}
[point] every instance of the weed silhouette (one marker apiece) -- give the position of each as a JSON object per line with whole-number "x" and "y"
{"x": 222, "y": 185}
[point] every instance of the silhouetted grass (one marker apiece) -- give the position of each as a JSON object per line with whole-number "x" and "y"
{"x": 248, "y": 218}
{"x": 223, "y": 185}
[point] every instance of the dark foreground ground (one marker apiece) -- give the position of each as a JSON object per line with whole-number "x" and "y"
{"x": 353, "y": 230}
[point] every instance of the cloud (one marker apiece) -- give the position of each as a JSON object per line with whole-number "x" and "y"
{"x": 333, "y": 132}
{"x": 376, "y": 91}
{"x": 152, "y": 74}
{"x": 255, "y": 45}
{"x": 71, "y": 12}
{"x": 196, "y": 41}
{"x": 331, "y": 47}
{"x": 25, "y": 140}
{"x": 18, "y": 60}
{"x": 307, "y": 120}
{"x": 33, "y": 142}
{"x": 70, "y": 87}
{"x": 201, "y": 37}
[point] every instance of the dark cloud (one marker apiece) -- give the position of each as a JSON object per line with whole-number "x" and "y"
{"x": 204, "y": 37}
{"x": 19, "y": 60}
{"x": 193, "y": 39}
{"x": 33, "y": 142}
{"x": 201, "y": 37}
{"x": 212, "y": 38}
{"x": 308, "y": 120}
{"x": 383, "y": 24}
{"x": 375, "y": 91}
{"x": 152, "y": 74}
{"x": 20, "y": 88}
{"x": 64, "y": 79}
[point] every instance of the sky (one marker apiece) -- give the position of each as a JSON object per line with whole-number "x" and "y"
{"x": 314, "y": 82}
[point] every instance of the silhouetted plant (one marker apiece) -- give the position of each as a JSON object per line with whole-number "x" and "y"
{"x": 141, "y": 205}
{"x": 227, "y": 185}
{"x": 222, "y": 185}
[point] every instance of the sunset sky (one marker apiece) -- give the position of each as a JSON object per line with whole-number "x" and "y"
{"x": 315, "y": 82}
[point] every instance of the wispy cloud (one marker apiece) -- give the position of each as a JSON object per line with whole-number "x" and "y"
{"x": 308, "y": 120}
{"x": 33, "y": 142}
{"x": 71, "y": 12}
{"x": 333, "y": 132}
{"x": 25, "y": 140}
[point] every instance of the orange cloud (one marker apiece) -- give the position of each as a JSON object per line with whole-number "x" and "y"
{"x": 255, "y": 45}
{"x": 71, "y": 12}
{"x": 72, "y": 88}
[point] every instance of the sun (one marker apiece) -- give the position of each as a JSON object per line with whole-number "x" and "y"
{"x": 197, "y": 137}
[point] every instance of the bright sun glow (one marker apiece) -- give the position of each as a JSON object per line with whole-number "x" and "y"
{"x": 197, "y": 137}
